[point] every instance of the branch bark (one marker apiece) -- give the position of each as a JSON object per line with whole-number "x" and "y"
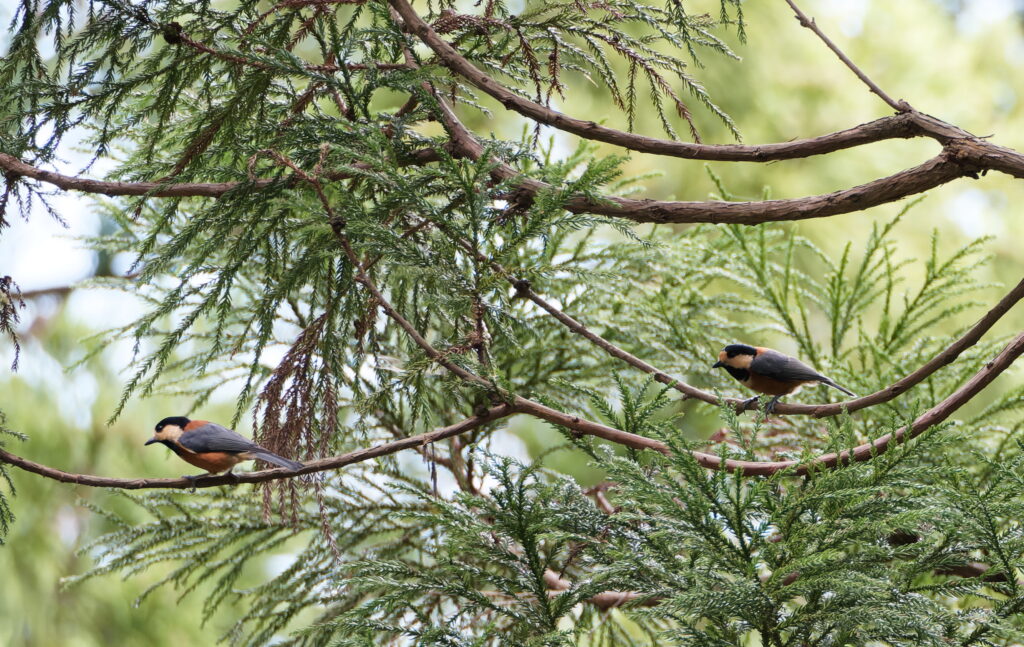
{"x": 17, "y": 168}
{"x": 893, "y": 127}
{"x": 605, "y": 600}
{"x": 321, "y": 465}
{"x": 947, "y": 356}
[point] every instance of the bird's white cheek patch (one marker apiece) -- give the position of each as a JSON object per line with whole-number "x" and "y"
{"x": 170, "y": 432}
{"x": 740, "y": 361}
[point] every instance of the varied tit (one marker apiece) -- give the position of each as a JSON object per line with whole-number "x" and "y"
{"x": 210, "y": 446}
{"x": 768, "y": 371}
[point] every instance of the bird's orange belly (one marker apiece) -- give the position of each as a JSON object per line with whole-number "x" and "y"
{"x": 770, "y": 386}
{"x": 213, "y": 462}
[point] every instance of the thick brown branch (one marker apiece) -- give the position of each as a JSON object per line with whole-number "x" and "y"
{"x": 935, "y": 172}
{"x": 892, "y": 127}
{"x": 321, "y": 465}
{"x": 959, "y": 159}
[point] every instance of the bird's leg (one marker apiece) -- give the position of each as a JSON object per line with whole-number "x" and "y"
{"x": 231, "y": 475}
{"x": 750, "y": 401}
{"x": 768, "y": 408}
{"x": 192, "y": 478}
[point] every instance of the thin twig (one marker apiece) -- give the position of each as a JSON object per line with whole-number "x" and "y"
{"x": 320, "y": 465}
{"x": 16, "y": 168}
{"x": 899, "y": 106}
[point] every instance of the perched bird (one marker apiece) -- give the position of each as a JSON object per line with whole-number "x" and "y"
{"x": 768, "y": 371}
{"x": 210, "y": 446}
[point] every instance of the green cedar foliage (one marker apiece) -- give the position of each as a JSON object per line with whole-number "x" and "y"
{"x": 377, "y": 554}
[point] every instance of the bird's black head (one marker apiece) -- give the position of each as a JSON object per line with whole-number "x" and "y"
{"x": 177, "y": 421}
{"x": 732, "y": 351}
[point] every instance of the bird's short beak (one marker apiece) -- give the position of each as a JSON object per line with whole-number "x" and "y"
{"x": 151, "y": 441}
{"x": 717, "y": 365}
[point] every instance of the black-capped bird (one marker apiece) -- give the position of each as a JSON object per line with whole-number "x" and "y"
{"x": 211, "y": 446}
{"x": 768, "y": 371}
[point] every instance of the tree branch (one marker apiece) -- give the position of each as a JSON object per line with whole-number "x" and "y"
{"x": 894, "y": 127}
{"x": 935, "y": 172}
{"x": 947, "y": 356}
{"x": 17, "y": 168}
{"x": 899, "y": 106}
{"x": 320, "y": 465}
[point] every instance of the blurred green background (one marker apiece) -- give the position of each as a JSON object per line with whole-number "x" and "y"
{"x": 960, "y": 61}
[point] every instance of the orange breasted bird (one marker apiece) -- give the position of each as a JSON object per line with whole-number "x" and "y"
{"x": 211, "y": 446}
{"x": 768, "y": 371}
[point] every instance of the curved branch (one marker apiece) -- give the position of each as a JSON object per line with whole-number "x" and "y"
{"x": 935, "y": 172}
{"x": 954, "y": 161}
{"x": 17, "y": 168}
{"x": 864, "y": 452}
{"x": 947, "y": 356}
{"x": 888, "y": 128}
{"x": 321, "y": 465}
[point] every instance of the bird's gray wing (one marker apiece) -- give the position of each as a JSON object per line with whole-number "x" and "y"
{"x": 774, "y": 364}
{"x": 211, "y": 437}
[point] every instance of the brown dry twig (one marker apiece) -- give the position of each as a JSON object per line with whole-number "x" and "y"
{"x": 899, "y": 106}
{"x": 320, "y": 465}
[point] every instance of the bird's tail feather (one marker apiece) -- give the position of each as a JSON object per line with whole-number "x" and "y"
{"x": 836, "y": 386}
{"x": 278, "y": 460}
